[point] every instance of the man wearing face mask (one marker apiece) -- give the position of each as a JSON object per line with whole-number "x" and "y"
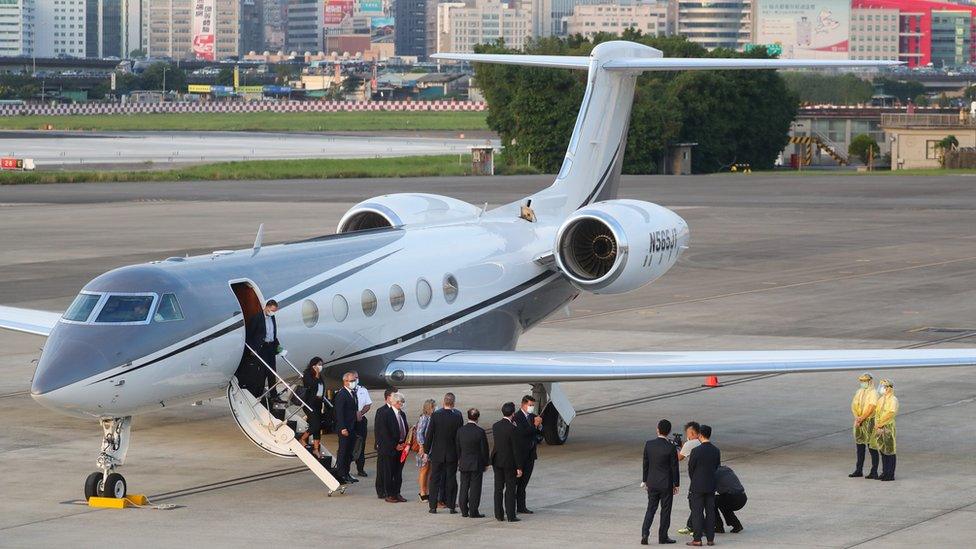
{"x": 262, "y": 337}
{"x": 346, "y": 409}
{"x": 529, "y": 426}
{"x": 862, "y": 407}
{"x": 884, "y": 429}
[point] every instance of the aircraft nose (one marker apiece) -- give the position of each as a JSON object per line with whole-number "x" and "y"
{"x": 64, "y": 361}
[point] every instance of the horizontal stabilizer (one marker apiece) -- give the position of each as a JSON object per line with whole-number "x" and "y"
{"x": 641, "y": 64}
{"x": 30, "y": 321}
{"x": 432, "y": 368}
{"x": 557, "y": 61}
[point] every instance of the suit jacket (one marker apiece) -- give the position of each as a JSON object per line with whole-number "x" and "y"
{"x": 660, "y": 465}
{"x": 256, "y": 331}
{"x": 345, "y": 411}
{"x": 525, "y": 425}
{"x": 440, "y": 441}
{"x": 702, "y": 465}
{"x": 311, "y": 384}
{"x": 387, "y": 430}
{"x": 509, "y": 451}
{"x": 472, "y": 448}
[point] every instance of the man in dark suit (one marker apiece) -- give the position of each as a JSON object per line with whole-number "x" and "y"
{"x": 262, "y": 336}
{"x": 529, "y": 427}
{"x": 394, "y": 480}
{"x": 440, "y": 445}
{"x": 702, "y": 465}
{"x": 472, "y": 450}
{"x": 346, "y": 406}
{"x": 384, "y": 424}
{"x": 507, "y": 460}
{"x": 660, "y": 479}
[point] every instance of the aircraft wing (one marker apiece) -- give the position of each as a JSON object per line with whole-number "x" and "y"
{"x": 452, "y": 368}
{"x": 30, "y": 321}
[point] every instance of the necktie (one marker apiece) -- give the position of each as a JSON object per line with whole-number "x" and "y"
{"x": 355, "y": 397}
{"x": 403, "y": 434}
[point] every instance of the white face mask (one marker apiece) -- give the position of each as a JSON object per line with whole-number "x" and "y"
{"x": 865, "y": 384}
{"x": 353, "y": 383}
{"x": 317, "y": 368}
{"x": 881, "y": 390}
{"x": 530, "y": 410}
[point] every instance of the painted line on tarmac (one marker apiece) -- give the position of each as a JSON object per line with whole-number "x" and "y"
{"x": 761, "y": 290}
{"x": 912, "y": 525}
{"x": 15, "y": 394}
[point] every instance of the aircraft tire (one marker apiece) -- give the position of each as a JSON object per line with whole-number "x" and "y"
{"x": 114, "y": 487}
{"x": 554, "y": 430}
{"x": 93, "y": 485}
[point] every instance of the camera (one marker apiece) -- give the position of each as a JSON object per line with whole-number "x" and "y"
{"x": 676, "y": 440}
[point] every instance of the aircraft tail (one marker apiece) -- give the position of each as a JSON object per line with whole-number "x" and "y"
{"x": 591, "y": 168}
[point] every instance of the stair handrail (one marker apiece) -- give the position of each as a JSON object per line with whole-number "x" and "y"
{"x": 831, "y": 144}
{"x": 275, "y": 372}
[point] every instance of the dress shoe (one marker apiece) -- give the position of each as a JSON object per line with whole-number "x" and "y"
{"x": 873, "y": 476}
{"x": 362, "y": 474}
{"x": 710, "y": 543}
{"x": 516, "y": 519}
{"x": 423, "y": 497}
{"x": 887, "y": 478}
{"x": 432, "y": 511}
{"x": 643, "y": 541}
{"x": 720, "y": 530}
{"x": 667, "y": 541}
{"x": 525, "y": 511}
{"x": 401, "y": 499}
{"x": 464, "y": 514}
{"x": 391, "y": 499}
{"x": 476, "y": 515}
{"x": 381, "y": 497}
{"x": 736, "y": 530}
{"x": 856, "y": 474}
{"x": 453, "y": 511}
{"x": 694, "y": 544}
{"x": 500, "y": 519}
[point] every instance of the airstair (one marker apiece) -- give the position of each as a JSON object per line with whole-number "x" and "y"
{"x": 274, "y": 435}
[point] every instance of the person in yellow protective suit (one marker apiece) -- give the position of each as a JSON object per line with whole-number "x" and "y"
{"x": 862, "y": 407}
{"x": 884, "y": 429}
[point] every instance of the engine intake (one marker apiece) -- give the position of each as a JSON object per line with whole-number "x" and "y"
{"x": 397, "y": 210}
{"x": 619, "y": 245}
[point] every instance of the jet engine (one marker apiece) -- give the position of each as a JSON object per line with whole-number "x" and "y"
{"x": 397, "y": 210}
{"x": 616, "y": 246}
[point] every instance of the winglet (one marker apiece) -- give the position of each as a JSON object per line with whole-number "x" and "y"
{"x": 258, "y": 240}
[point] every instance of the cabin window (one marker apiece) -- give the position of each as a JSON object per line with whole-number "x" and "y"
{"x": 168, "y": 309}
{"x": 424, "y": 293}
{"x": 310, "y": 313}
{"x": 450, "y": 288}
{"x": 340, "y": 308}
{"x": 82, "y": 307}
{"x": 369, "y": 302}
{"x": 124, "y": 309}
{"x": 396, "y": 297}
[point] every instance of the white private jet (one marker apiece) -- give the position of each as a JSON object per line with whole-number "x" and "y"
{"x": 414, "y": 290}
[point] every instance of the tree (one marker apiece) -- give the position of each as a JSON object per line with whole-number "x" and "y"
{"x": 225, "y": 77}
{"x": 153, "y": 77}
{"x": 865, "y": 148}
{"x": 818, "y": 88}
{"x": 903, "y": 90}
{"x": 137, "y": 54}
{"x": 970, "y": 93}
{"x": 944, "y": 145}
{"x": 742, "y": 117}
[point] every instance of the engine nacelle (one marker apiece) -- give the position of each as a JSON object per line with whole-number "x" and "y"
{"x": 619, "y": 245}
{"x": 397, "y": 210}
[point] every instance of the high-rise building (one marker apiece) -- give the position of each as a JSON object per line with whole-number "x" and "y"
{"x": 485, "y": 21}
{"x": 169, "y": 27}
{"x": 105, "y": 28}
{"x": 723, "y": 24}
{"x": 305, "y": 22}
{"x": 411, "y": 28}
{"x": 274, "y": 24}
{"x": 252, "y": 26}
{"x": 939, "y": 33}
{"x": 952, "y": 37}
{"x": 874, "y": 34}
{"x": 17, "y": 28}
{"x": 650, "y": 18}
{"x": 59, "y": 28}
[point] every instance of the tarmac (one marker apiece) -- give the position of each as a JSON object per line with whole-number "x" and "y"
{"x": 81, "y": 149}
{"x": 776, "y": 262}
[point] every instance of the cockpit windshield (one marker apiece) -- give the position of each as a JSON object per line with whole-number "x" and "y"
{"x": 82, "y": 307}
{"x": 168, "y": 309}
{"x": 125, "y": 308}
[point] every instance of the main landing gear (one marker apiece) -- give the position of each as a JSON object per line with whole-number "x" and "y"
{"x": 555, "y": 428}
{"x": 115, "y": 443}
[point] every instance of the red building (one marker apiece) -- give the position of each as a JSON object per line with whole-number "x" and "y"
{"x": 929, "y": 32}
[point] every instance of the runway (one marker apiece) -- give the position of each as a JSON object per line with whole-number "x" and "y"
{"x": 51, "y": 149}
{"x": 775, "y": 263}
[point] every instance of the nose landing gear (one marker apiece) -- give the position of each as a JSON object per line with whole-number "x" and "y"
{"x": 115, "y": 444}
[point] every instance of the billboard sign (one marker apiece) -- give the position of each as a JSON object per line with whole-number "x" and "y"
{"x": 371, "y": 8}
{"x": 204, "y": 38}
{"x": 805, "y": 29}
{"x": 336, "y": 11}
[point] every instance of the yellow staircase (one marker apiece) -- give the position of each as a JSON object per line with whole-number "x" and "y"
{"x": 812, "y": 141}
